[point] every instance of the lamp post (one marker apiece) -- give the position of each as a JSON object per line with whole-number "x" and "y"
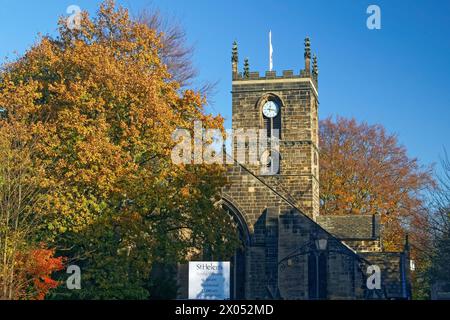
{"x": 316, "y": 245}
{"x": 321, "y": 246}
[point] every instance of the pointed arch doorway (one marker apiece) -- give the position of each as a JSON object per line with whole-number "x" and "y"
{"x": 238, "y": 261}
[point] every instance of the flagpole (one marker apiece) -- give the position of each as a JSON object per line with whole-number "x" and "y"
{"x": 270, "y": 51}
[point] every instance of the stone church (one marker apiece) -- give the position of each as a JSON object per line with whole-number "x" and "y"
{"x": 290, "y": 251}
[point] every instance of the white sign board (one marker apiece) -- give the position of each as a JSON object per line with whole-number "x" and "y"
{"x": 209, "y": 280}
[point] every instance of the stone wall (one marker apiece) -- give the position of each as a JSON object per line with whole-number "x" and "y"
{"x": 276, "y": 231}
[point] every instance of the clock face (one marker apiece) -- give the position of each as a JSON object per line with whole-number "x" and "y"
{"x": 270, "y": 109}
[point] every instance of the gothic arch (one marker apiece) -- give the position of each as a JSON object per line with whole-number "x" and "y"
{"x": 238, "y": 261}
{"x": 270, "y": 97}
{"x": 238, "y": 217}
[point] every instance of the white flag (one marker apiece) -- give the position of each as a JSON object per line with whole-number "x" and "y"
{"x": 270, "y": 51}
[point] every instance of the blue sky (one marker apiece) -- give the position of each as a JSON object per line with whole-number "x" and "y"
{"x": 398, "y": 76}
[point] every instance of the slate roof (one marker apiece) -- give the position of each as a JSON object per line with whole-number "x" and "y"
{"x": 351, "y": 226}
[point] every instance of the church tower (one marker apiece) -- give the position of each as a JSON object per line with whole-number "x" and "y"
{"x": 287, "y": 107}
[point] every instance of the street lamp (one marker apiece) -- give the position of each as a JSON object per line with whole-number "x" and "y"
{"x": 321, "y": 246}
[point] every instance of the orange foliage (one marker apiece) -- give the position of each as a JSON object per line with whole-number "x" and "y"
{"x": 104, "y": 106}
{"x": 364, "y": 170}
{"x": 39, "y": 267}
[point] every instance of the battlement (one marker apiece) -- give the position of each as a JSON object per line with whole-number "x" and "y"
{"x": 308, "y": 72}
{"x": 269, "y": 75}
{"x": 249, "y": 78}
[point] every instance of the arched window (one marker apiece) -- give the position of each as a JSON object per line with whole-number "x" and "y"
{"x": 271, "y": 112}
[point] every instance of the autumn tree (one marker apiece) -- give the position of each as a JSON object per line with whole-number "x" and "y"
{"x": 440, "y": 222}
{"x": 26, "y": 266}
{"x": 364, "y": 170}
{"x": 105, "y": 105}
